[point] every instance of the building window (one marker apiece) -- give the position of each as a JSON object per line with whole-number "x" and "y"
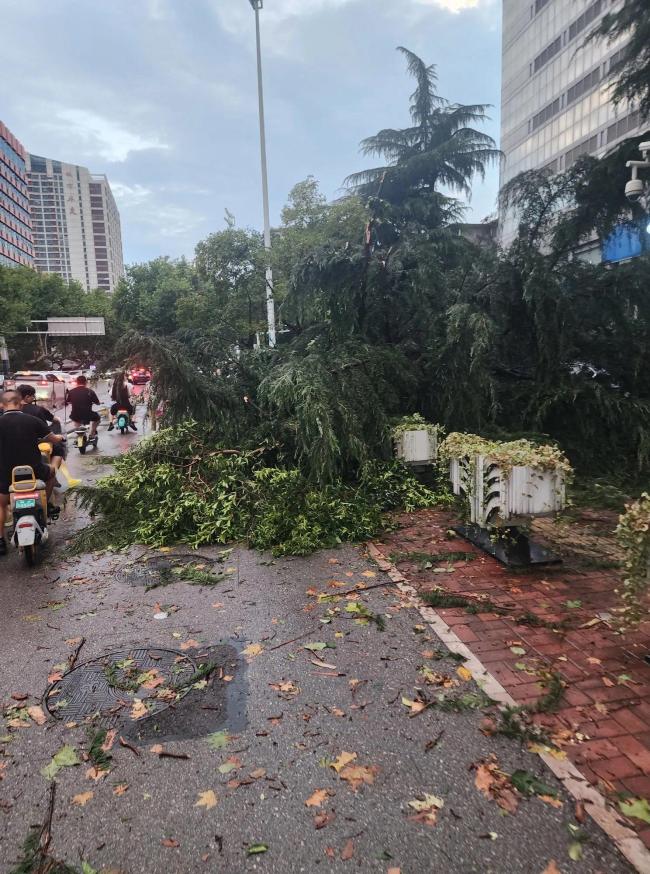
{"x": 576, "y": 91}
{"x": 622, "y": 126}
{"x": 584, "y": 148}
{"x": 548, "y": 53}
{"x": 546, "y": 113}
{"x": 591, "y": 12}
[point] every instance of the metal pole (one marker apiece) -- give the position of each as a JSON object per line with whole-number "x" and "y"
{"x": 270, "y": 304}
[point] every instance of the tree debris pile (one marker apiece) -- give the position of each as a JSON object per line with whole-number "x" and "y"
{"x": 179, "y": 487}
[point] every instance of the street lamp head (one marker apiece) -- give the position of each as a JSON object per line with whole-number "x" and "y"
{"x": 256, "y": 4}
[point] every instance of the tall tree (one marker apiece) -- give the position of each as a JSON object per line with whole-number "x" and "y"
{"x": 440, "y": 148}
{"x": 632, "y": 74}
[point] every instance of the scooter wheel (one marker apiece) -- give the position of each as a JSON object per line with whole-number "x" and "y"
{"x": 30, "y": 555}
{"x": 82, "y": 450}
{"x": 123, "y": 431}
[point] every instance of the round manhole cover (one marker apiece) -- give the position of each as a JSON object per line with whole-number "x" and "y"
{"x": 130, "y": 684}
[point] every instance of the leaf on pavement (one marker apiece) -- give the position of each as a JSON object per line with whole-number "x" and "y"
{"x": 323, "y": 819}
{"x": 348, "y": 851}
{"x": 464, "y": 673}
{"x": 414, "y": 706}
{"x": 65, "y": 758}
{"x": 316, "y": 798}
{"x": 529, "y": 784}
{"x": 253, "y": 649}
{"x": 315, "y": 647}
{"x": 368, "y": 574}
{"x": 96, "y": 774}
{"x": 551, "y": 868}
{"x": 358, "y": 775}
{"x": 207, "y": 799}
{"x": 343, "y": 760}
{"x": 82, "y": 799}
{"x": 256, "y": 849}
{"x": 218, "y": 740}
{"x": 139, "y": 709}
{"x": 639, "y": 808}
{"x": 169, "y": 843}
{"x": 190, "y": 644}
{"x": 494, "y": 784}
{"x": 120, "y": 789}
{"x": 36, "y": 714}
{"x": 426, "y": 809}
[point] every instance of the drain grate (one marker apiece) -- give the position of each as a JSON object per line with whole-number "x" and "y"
{"x": 126, "y": 685}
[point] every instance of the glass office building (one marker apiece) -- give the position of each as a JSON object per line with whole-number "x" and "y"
{"x": 555, "y": 97}
{"x": 77, "y": 231}
{"x": 16, "y": 243}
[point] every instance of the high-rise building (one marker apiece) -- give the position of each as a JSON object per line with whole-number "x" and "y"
{"x": 16, "y": 243}
{"x": 77, "y": 230}
{"x": 555, "y": 92}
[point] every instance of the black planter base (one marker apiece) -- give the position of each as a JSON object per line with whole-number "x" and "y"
{"x": 512, "y": 547}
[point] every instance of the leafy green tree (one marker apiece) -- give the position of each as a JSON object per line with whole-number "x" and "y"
{"x": 440, "y": 148}
{"x": 631, "y": 76}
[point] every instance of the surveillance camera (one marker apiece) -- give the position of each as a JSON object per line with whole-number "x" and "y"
{"x": 634, "y": 190}
{"x": 644, "y": 147}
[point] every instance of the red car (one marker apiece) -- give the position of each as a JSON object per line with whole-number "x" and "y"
{"x": 140, "y": 376}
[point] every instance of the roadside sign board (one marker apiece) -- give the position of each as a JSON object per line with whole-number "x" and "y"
{"x": 76, "y": 326}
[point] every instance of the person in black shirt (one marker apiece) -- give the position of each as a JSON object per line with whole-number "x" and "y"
{"x": 20, "y": 435}
{"x": 82, "y": 399}
{"x": 29, "y": 406}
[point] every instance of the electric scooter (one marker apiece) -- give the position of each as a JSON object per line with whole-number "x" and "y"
{"x": 28, "y": 502}
{"x": 83, "y": 438}
{"x": 122, "y": 421}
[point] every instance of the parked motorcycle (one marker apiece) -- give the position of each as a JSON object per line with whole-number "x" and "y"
{"x": 28, "y": 503}
{"x": 83, "y": 438}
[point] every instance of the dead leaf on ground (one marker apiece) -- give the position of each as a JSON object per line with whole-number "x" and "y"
{"x": 253, "y": 649}
{"x": 37, "y": 715}
{"x": 464, "y": 673}
{"x": 109, "y": 740}
{"x": 257, "y": 774}
{"x": 190, "y": 644}
{"x": 96, "y": 774}
{"x": 156, "y": 749}
{"x": 551, "y": 868}
{"x": 580, "y": 812}
{"x": 323, "y": 819}
{"x": 138, "y": 710}
{"x": 348, "y": 851}
{"x": 82, "y": 799}
{"x": 426, "y": 809}
{"x": 343, "y": 760}
{"x": 286, "y": 688}
{"x": 120, "y": 789}
{"x": 316, "y": 798}
{"x": 358, "y": 775}
{"x": 170, "y": 843}
{"x": 206, "y": 799}
{"x": 19, "y": 696}
{"x": 495, "y": 784}
{"x": 368, "y": 574}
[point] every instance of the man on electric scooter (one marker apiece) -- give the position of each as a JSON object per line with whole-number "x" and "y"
{"x": 82, "y": 399}
{"x": 29, "y": 406}
{"x": 20, "y": 435}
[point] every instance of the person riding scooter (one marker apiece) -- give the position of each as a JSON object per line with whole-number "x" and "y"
{"x": 120, "y": 395}
{"x": 20, "y": 435}
{"x": 82, "y": 399}
{"x": 29, "y": 406}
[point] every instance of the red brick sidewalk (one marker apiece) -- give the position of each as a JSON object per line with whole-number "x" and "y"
{"x": 603, "y": 722}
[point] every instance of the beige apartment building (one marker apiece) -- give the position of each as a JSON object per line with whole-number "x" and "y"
{"x": 555, "y": 94}
{"x": 76, "y": 224}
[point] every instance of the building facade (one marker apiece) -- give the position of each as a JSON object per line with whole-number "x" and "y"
{"x": 555, "y": 92}
{"x": 16, "y": 242}
{"x": 76, "y": 224}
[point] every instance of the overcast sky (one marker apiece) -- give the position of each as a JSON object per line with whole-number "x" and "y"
{"x": 161, "y": 96}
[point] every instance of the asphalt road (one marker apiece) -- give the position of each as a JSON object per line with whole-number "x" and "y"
{"x": 280, "y": 716}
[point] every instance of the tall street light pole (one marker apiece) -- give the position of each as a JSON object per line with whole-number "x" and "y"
{"x": 270, "y": 304}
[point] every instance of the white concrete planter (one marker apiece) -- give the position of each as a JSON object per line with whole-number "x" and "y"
{"x": 416, "y": 447}
{"x": 497, "y": 497}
